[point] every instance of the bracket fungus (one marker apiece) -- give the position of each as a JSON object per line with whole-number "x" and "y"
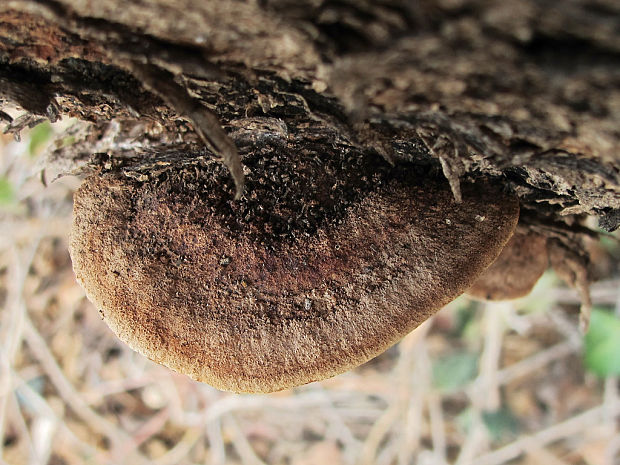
{"x": 516, "y": 271}
{"x": 324, "y": 264}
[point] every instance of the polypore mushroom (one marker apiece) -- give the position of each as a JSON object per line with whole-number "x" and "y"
{"x": 516, "y": 271}
{"x": 326, "y": 263}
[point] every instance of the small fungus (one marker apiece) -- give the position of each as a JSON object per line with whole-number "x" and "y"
{"x": 320, "y": 273}
{"x": 516, "y": 271}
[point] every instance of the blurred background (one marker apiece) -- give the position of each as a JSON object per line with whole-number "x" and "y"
{"x": 479, "y": 383}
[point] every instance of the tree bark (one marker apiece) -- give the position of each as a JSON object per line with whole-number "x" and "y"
{"x": 527, "y": 91}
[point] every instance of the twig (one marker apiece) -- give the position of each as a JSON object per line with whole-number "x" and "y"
{"x": 181, "y": 448}
{"x": 554, "y": 433}
{"x": 14, "y": 327}
{"x": 541, "y": 456}
{"x": 565, "y": 326}
{"x": 527, "y": 365}
{"x": 217, "y": 455}
{"x": 252, "y": 402}
{"x": 115, "y": 386}
{"x": 613, "y": 451}
{"x": 378, "y": 431}
{"x": 39, "y": 404}
{"x": 66, "y": 390}
{"x": 243, "y": 447}
{"x": 205, "y": 122}
{"x": 389, "y": 452}
{"x": 399, "y": 396}
{"x": 146, "y": 431}
{"x": 489, "y": 398}
{"x": 438, "y": 430}
{"x": 603, "y": 293}
{"x": 419, "y": 384}
{"x": 490, "y": 358}
{"x": 23, "y": 428}
{"x": 343, "y": 432}
{"x": 476, "y": 436}
{"x": 43, "y": 431}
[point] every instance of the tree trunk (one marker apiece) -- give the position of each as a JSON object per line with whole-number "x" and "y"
{"x": 527, "y": 92}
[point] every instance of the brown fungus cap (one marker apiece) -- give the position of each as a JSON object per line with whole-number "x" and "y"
{"x": 321, "y": 267}
{"x": 516, "y": 271}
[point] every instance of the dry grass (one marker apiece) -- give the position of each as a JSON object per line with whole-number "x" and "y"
{"x": 475, "y": 385}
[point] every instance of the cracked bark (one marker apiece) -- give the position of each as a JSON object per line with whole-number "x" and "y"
{"x": 527, "y": 91}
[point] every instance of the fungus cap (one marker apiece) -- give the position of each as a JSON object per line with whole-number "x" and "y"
{"x": 516, "y": 271}
{"x": 220, "y": 299}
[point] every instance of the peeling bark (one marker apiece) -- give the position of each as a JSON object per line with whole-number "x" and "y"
{"x": 526, "y": 91}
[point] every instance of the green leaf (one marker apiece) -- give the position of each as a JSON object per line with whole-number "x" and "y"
{"x": 611, "y": 245}
{"x": 67, "y": 141}
{"x": 454, "y": 371}
{"x": 7, "y": 194}
{"x": 602, "y": 344}
{"x": 39, "y": 136}
{"x": 501, "y": 424}
{"x": 465, "y": 316}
